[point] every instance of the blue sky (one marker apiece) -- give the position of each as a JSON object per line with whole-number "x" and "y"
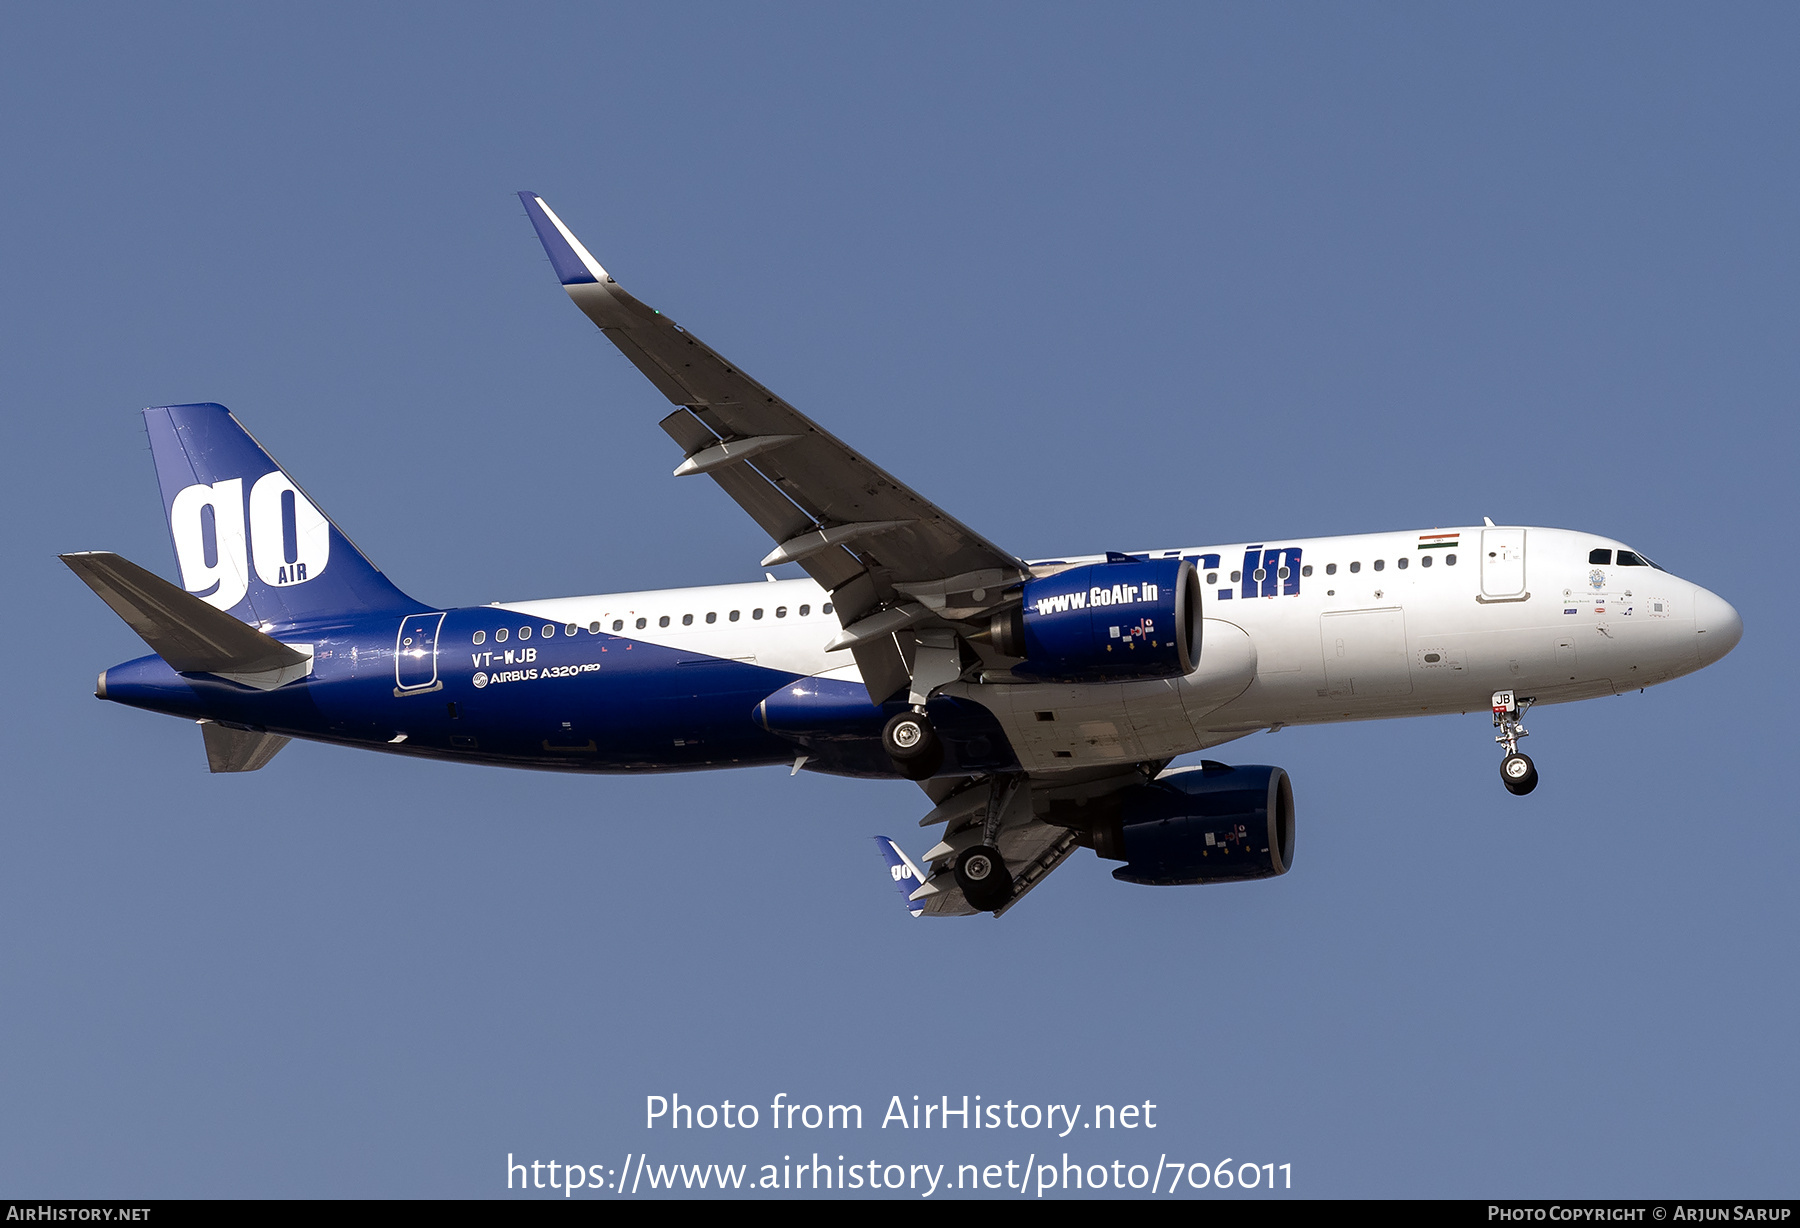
{"x": 1091, "y": 279}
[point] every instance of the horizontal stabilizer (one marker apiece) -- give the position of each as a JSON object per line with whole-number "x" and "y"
{"x": 192, "y": 636}
{"x": 238, "y": 750}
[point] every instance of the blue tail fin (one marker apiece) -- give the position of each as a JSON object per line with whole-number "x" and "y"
{"x": 247, "y": 539}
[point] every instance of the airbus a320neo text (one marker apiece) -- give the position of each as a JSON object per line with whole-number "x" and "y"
{"x": 1039, "y": 703}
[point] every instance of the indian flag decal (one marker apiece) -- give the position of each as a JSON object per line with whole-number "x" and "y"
{"x": 1438, "y": 541}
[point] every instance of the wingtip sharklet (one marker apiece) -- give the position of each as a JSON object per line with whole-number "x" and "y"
{"x": 574, "y": 264}
{"x": 905, "y": 874}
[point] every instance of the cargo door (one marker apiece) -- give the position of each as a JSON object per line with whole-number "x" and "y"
{"x": 1365, "y": 653}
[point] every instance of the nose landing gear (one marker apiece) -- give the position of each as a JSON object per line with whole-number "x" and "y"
{"x": 1517, "y": 772}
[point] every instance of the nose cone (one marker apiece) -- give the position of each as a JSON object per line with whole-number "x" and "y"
{"x": 1716, "y": 624}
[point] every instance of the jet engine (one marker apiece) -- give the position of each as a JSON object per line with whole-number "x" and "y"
{"x": 1116, "y": 621}
{"x": 1205, "y": 824}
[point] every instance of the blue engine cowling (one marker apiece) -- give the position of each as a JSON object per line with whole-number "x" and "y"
{"x": 1123, "y": 619}
{"x": 1206, "y": 824}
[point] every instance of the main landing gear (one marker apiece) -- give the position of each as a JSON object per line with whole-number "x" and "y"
{"x": 1517, "y": 772}
{"x": 982, "y": 874}
{"x": 913, "y": 745}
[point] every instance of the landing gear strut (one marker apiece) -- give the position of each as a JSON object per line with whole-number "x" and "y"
{"x": 913, "y": 745}
{"x": 981, "y": 871}
{"x": 1517, "y": 772}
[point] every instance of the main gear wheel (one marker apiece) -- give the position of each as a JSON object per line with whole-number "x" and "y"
{"x": 913, "y": 745}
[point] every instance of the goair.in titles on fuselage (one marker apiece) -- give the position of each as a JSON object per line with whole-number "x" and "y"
{"x": 1097, "y": 596}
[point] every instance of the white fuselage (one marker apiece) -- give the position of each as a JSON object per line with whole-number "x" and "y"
{"x": 1352, "y": 628}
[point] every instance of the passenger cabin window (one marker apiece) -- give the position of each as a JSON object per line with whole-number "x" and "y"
{"x": 734, "y": 616}
{"x": 1449, "y": 560}
{"x": 1600, "y": 558}
{"x": 663, "y": 621}
{"x": 549, "y": 633}
{"x": 687, "y": 620}
{"x": 756, "y": 613}
{"x": 524, "y": 633}
{"x": 571, "y": 629}
{"x": 1331, "y": 569}
{"x": 640, "y": 623}
{"x": 1355, "y": 567}
{"x": 500, "y": 636}
{"x": 481, "y": 637}
{"x": 712, "y": 616}
{"x": 1401, "y": 562}
{"x": 1425, "y": 561}
{"x": 780, "y": 611}
{"x": 1306, "y": 570}
{"x": 1236, "y": 576}
{"x": 594, "y": 628}
{"x": 1380, "y": 564}
{"x": 1212, "y": 577}
{"x": 618, "y": 624}
{"x": 826, "y": 608}
{"x": 805, "y": 610}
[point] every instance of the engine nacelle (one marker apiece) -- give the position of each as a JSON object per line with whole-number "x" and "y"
{"x": 1206, "y": 824}
{"x": 1106, "y": 622}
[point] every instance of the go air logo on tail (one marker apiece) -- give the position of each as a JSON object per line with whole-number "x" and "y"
{"x": 289, "y": 541}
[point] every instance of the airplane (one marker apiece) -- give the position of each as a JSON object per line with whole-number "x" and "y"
{"x": 1039, "y": 703}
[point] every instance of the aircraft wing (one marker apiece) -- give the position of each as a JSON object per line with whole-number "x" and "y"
{"x": 891, "y": 558}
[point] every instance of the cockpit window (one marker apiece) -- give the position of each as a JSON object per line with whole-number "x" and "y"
{"x": 1600, "y": 558}
{"x": 1628, "y": 558}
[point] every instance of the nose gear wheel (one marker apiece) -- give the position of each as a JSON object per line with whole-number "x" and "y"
{"x": 1518, "y": 774}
